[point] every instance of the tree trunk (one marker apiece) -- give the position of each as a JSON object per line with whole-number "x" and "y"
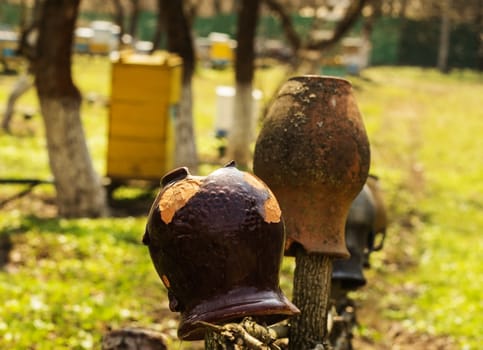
{"x": 185, "y": 145}
{"x": 311, "y": 292}
{"x": 133, "y": 25}
{"x": 347, "y": 22}
{"x": 180, "y": 41}
{"x": 444, "y": 38}
{"x": 242, "y": 130}
{"x": 241, "y": 134}
{"x": 79, "y": 189}
{"x": 158, "y": 31}
{"x": 119, "y": 19}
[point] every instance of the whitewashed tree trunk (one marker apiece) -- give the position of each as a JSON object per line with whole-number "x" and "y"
{"x": 79, "y": 189}
{"x": 179, "y": 40}
{"x": 242, "y": 131}
{"x": 185, "y": 154}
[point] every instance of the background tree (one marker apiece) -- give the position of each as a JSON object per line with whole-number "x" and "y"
{"x": 180, "y": 41}
{"x": 119, "y": 17}
{"x": 444, "y": 36}
{"x": 133, "y": 24}
{"x": 305, "y": 48}
{"x": 242, "y": 132}
{"x": 79, "y": 189}
{"x": 158, "y": 30}
{"x": 27, "y": 46}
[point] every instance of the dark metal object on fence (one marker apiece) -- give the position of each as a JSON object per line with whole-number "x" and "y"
{"x": 366, "y": 220}
{"x": 217, "y": 244}
{"x": 376, "y": 241}
{"x": 314, "y": 154}
{"x": 349, "y": 273}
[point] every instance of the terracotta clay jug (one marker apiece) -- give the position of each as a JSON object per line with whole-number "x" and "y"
{"x": 313, "y": 152}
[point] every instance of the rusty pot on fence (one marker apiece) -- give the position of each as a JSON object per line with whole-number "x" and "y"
{"x": 217, "y": 244}
{"x": 313, "y": 153}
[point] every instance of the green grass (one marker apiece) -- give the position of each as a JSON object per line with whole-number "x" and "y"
{"x": 68, "y": 281}
{"x": 427, "y": 146}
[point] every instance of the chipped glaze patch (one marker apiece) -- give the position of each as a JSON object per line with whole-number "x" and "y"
{"x": 273, "y": 212}
{"x": 176, "y": 196}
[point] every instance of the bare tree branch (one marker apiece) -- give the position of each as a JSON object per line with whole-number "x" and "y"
{"x": 287, "y": 25}
{"x": 351, "y": 16}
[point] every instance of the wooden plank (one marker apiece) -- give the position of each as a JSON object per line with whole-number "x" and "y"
{"x": 140, "y": 82}
{"x": 147, "y": 120}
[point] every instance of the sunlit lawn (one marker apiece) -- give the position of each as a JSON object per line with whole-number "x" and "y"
{"x": 68, "y": 281}
{"x": 425, "y": 130}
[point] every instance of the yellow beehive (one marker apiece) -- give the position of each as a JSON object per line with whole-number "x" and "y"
{"x": 221, "y": 51}
{"x": 145, "y": 92}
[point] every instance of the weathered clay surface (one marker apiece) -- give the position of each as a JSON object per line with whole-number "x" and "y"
{"x": 313, "y": 152}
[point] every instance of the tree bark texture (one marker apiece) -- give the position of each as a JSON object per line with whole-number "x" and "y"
{"x": 246, "y": 31}
{"x": 180, "y": 41}
{"x": 178, "y": 33}
{"x": 311, "y": 292}
{"x": 79, "y": 189}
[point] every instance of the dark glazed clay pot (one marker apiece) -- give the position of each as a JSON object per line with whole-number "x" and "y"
{"x": 313, "y": 153}
{"x": 217, "y": 244}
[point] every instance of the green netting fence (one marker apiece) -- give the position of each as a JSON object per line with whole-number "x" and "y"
{"x": 395, "y": 41}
